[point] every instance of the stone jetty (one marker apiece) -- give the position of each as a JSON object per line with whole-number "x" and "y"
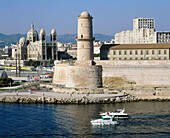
{"x": 50, "y": 97}
{"x": 47, "y": 96}
{"x": 72, "y": 99}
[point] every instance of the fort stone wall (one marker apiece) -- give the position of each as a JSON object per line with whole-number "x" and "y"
{"x": 84, "y": 76}
{"x": 137, "y": 73}
{"x": 133, "y": 62}
{"x": 60, "y": 74}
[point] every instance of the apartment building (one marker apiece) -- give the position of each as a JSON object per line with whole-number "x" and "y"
{"x": 163, "y": 37}
{"x": 143, "y": 32}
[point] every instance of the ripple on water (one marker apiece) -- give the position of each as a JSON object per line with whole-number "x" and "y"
{"x": 148, "y": 119}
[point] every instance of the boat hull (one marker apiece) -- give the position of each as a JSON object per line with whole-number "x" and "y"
{"x": 103, "y": 122}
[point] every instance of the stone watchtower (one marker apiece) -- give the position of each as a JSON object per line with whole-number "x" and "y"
{"x": 85, "y": 37}
{"x": 84, "y": 73}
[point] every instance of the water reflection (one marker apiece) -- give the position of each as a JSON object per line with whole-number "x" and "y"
{"x": 76, "y": 118}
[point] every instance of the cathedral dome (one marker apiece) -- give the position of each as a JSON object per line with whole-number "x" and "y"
{"x": 53, "y": 35}
{"x": 42, "y": 35}
{"x": 42, "y": 31}
{"x": 22, "y": 41}
{"x": 85, "y": 14}
{"x": 53, "y": 31}
{"x": 32, "y": 34}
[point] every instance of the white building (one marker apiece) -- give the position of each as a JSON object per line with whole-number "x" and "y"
{"x": 143, "y": 32}
{"x": 163, "y": 37}
{"x": 14, "y": 48}
{"x": 139, "y": 23}
{"x": 97, "y": 49}
{"x": 97, "y": 42}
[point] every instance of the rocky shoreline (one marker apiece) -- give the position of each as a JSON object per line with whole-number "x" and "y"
{"x": 84, "y": 100}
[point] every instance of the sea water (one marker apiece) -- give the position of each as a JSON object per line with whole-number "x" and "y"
{"x": 147, "y": 119}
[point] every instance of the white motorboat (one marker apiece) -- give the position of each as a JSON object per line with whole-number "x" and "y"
{"x": 118, "y": 114}
{"x": 105, "y": 120}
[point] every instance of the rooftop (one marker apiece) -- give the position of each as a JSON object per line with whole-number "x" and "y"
{"x": 135, "y": 46}
{"x": 141, "y": 46}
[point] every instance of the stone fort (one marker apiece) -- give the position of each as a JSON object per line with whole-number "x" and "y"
{"x": 89, "y": 76}
{"x": 83, "y": 73}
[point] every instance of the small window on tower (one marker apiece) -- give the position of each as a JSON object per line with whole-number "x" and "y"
{"x": 81, "y": 36}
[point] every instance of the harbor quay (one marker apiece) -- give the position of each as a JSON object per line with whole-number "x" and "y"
{"x": 45, "y": 95}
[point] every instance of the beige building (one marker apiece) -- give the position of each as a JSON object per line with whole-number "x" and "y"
{"x": 136, "y": 52}
{"x": 37, "y": 48}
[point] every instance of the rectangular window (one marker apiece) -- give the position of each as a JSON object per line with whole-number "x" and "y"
{"x": 125, "y": 52}
{"x": 147, "y": 52}
{"x": 164, "y": 52}
{"x": 119, "y": 52}
{"x": 136, "y": 52}
{"x": 141, "y": 52}
{"x": 159, "y": 52}
{"x": 114, "y": 52}
{"x": 130, "y": 52}
{"x": 153, "y": 52}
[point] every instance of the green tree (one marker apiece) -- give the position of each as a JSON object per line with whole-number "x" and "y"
{"x": 97, "y": 55}
{"x": 5, "y": 81}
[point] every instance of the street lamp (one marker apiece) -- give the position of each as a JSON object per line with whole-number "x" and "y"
{"x": 16, "y": 60}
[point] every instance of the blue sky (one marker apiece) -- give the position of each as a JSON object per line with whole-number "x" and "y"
{"x": 110, "y": 16}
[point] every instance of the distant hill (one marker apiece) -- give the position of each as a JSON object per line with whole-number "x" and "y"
{"x": 65, "y": 38}
{"x": 13, "y": 38}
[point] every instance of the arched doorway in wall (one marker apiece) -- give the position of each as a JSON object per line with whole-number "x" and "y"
{"x": 49, "y": 53}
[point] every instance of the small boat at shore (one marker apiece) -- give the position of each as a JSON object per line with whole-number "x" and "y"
{"x": 105, "y": 120}
{"x": 118, "y": 114}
